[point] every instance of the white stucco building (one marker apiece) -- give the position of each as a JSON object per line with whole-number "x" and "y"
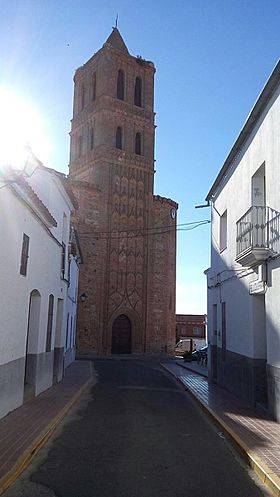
{"x": 35, "y": 209}
{"x": 74, "y": 260}
{"x": 244, "y": 277}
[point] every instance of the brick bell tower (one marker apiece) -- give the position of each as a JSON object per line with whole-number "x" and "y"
{"x": 127, "y": 234}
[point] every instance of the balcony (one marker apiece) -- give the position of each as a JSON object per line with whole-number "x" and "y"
{"x": 258, "y": 234}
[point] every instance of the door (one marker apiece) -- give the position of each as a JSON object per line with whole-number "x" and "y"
{"x": 59, "y": 346}
{"x": 32, "y": 337}
{"x": 121, "y": 335}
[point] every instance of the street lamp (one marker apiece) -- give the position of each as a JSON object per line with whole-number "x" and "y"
{"x": 83, "y": 297}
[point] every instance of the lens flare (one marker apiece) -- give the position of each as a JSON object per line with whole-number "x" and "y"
{"x": 21, "y": 126}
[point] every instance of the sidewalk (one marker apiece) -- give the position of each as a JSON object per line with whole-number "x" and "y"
{"x": 193, "y": 366}
{"x": 26, "y": 429}
{"x": 257, "y": 435}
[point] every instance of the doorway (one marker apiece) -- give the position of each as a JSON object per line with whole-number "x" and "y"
{"x": 121, "y": 335}
{"x": 32, "y": 344}
{"x": 58, "y": 362}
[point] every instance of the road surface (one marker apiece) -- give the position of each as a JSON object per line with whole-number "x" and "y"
{"x": 137, "y": 434}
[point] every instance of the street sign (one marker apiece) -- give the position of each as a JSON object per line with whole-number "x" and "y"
{"x": 256, "y": 287}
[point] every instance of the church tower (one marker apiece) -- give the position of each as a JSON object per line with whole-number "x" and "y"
{"x": 127, "y": 235}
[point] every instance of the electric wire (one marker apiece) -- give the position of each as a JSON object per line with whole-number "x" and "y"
{"x": 142, "y": 232}
{"x": 158, "y": 227}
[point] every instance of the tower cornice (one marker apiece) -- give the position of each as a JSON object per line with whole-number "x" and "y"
{"x": 120, "y": 56}
{"x": 123, "y": 112}
{"x": 117, "y": 157}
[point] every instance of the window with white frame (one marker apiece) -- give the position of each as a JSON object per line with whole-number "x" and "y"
{"x": 197, "y": 331}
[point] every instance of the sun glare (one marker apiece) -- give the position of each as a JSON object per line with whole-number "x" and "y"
{"x": 20, "y": 126}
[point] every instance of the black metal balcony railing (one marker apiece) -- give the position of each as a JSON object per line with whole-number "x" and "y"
{"x": 258, "y": 228}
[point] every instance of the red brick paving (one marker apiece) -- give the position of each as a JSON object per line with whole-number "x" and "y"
{"x": 22, "y": 429}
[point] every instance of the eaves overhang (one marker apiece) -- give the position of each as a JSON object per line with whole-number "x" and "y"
{"x": 65, "y": 183}
{"x": 256, "y": 112}
{"x": 23, "y": 190}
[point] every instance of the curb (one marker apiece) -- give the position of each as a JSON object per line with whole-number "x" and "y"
{"x": 25, "y": 459}
{"x": 271, "y": 480}
{"x": 191, "y": 369}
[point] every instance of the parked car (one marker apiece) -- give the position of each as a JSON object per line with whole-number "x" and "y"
{"x": 200, "y": 355}
{"x": 182, "y": 346}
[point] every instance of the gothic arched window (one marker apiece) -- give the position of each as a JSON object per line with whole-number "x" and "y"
{"x": 93, "y": 87}
{"x": 119, "y": 137}
{"x": 80, "y": 146}
{"x": 91, "y": 138}
{"x": 83, "y": 94}
{"x": 120, "y": 85}
{"x": 138, "y": 92}
{"x": 138, "y": 143}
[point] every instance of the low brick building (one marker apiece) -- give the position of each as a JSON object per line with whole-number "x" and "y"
{"x": 127, "y": 234}
{"x": 190, "y": 326}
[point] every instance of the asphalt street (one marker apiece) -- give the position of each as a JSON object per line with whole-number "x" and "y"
{"x": 138, "y": 434}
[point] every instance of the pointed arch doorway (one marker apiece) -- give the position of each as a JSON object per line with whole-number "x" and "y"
{"x": 121, "y": 335}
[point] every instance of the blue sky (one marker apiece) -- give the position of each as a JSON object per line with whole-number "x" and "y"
{"x": 212, "y": 58}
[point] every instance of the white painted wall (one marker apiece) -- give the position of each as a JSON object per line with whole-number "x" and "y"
{"x": 71, "y": 310}
{"x": 272, "y": 302}
{"x": 235, "y": 196}
{"x": 60, "y": 206}
{"x": 43, "y": 272}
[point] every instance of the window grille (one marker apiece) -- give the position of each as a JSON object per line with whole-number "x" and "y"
{"x": 50, "y": 323}
{"x": 63, "y": 255}
{"x": 24, "y": 254}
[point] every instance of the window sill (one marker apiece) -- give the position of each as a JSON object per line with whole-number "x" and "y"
{"x": 223, "y": 249}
